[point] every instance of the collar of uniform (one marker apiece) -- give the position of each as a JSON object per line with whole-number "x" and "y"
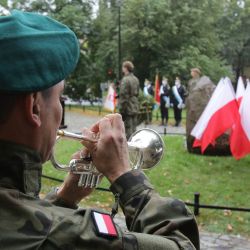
{"x": 129, "y": 74}
{"x": 20, "y": 168}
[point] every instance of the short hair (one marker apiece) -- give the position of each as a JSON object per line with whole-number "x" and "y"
{"x": 129, "y": 66}
{"x": 8, "y": 101}
{"x": 197, "y": 70}
{"x": 7, "y": 104}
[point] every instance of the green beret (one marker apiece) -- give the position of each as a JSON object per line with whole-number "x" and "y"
{"x": 36, "y": 52}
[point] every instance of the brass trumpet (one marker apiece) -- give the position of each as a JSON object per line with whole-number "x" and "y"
{"x": 145, "y": 151}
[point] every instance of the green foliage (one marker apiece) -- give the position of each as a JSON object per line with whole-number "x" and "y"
{"x": 165, "y": 36}
{"x": 77, "y": 14}
{"x": 146, "y": 101}
{"x": 103, "y": 42}
{"x": 3, "y": 6}
{"x": 233, "y": 29}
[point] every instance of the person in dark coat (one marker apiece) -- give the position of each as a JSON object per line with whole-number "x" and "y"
{"x": 178, "y": 100}
{"x": 148, "y": 89}
{"x": 164, "y": 101}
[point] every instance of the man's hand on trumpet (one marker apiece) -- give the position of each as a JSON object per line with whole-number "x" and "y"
{"x": 110, "y": 152}
{"x": 69, "y": 191}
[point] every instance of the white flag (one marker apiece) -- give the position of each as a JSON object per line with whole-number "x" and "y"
{"x": 110, "y": 100}
{"x": 240, "y": 90}
{"x": 240, "y": 139}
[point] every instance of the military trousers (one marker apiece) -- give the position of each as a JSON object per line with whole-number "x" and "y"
{"x": 177, "y": 115}
{"x": 130, "y": 123}
{"x": 164, "y": 113}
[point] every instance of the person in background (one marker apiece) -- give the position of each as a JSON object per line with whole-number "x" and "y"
{"x": 129, "y": 102}
{"x": 148, "y": 92}
{"x": 196, "y": 76}
{"x": 164, "y": 100}
{"x": 145, "y": 88}
{"x": 148, "y": 89}
{"x": 178, "y": 100}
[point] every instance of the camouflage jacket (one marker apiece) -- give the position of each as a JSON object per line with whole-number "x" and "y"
{"x": 129, "y": 93}
{"x": 27, "y": 222}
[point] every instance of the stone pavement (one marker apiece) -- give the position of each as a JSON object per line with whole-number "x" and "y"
{"x": 209, "y": 241}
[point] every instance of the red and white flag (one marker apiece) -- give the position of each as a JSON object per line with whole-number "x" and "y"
{"x": 240, "y": 138}
{"x": 110, "y": 101}
{"x": 219, "y": 115}
{"x": 104, "y": 224}
{"x": 240, "y": 90}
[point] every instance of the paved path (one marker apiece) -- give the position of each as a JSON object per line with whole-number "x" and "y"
{"x": 209, "y": 241}
{"x": 76, "y": 121}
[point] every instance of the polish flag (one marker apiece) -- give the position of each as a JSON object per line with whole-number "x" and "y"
{"x": 105, "y": 224}
{"x": 219, "y": 115}
{"x": 240, "y": 138}
{"x": 240, "y": 90}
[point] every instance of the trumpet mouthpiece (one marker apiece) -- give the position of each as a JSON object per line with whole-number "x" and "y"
{"x": 73, "y": 136}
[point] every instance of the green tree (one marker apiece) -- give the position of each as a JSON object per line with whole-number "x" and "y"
{"x": 77, "y": 14}
{"x": 166, "y": 36}
{"x": 233, "y": 29}
{"x": 103, "y": 42}
{"x": 172, "y": 36}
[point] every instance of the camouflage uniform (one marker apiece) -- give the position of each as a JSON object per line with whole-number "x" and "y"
{"x": 129, "y": 103}
{"x": 27, "y": 222}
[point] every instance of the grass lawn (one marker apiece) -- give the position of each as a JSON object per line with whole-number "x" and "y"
{"x": 220, "y": 181}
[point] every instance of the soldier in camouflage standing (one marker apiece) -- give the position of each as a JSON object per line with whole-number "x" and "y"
{"x": 129, "y": 103}
{"x": 36, "y": 54}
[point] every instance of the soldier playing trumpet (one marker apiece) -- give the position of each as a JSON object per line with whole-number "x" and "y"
{"x": 36, "y": 54}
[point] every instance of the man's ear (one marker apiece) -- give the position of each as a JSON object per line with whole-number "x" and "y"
{"x": 33, "y": 109}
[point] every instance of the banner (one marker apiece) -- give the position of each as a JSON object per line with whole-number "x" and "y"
{"x": 157, "y": 89}
{"x": 110, "y": 100}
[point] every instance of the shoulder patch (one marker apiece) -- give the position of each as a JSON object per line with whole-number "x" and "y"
{"x": 104, "y": 224}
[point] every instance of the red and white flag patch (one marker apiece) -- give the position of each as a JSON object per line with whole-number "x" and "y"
{"x": 104, "y": 224}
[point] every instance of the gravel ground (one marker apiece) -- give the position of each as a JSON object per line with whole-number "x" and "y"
{"x": 209, "y": 241}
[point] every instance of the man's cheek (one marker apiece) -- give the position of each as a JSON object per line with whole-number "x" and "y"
{"x": 58, "y": 114}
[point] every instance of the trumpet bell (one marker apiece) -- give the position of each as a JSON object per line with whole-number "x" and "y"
{"x": 146, "y": 149}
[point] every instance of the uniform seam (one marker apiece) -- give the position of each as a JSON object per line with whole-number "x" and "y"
{"x": 138, "y": 210}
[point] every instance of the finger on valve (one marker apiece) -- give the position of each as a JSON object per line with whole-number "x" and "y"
{"x": 95, "y": 127}
{"x": 81, "y": 154}
{"x": 91, "y": 146}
